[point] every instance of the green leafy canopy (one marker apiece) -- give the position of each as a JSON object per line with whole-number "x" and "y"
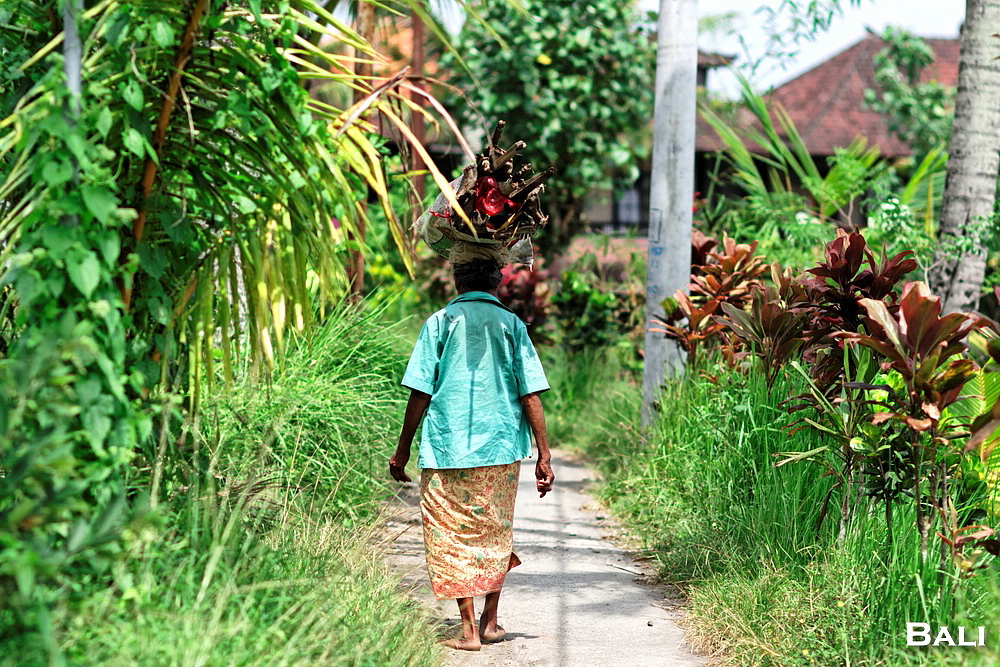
{"x": 575, "y": 82}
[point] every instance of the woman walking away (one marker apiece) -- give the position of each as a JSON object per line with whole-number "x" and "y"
{"x": 475, "y": 380}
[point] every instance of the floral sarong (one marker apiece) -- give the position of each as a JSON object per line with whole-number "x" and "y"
{"x": 467, "y": 516}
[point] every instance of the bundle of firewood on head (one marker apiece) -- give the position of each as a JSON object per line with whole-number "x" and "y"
{"x": 501, "y": 204}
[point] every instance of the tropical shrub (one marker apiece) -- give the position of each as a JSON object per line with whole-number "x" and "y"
{"x": 173, "y": 206}
{"x": 771, "y": 326}
{"x": 919, "y": 344}
{"x": 880, "y": 493}
{"x": 525, "y": 290}
{"x": 786, "y": 162}
{"x": 724, "y": 276}
{"x": 586, "y": 312}
{"x": 834, "y": 289}
{"x": 696, "y": 324}
{"x": 883, "y": 371}
{"x": 586, "y": 72}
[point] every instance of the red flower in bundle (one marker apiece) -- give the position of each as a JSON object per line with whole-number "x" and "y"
{"x": 489, "y": 199}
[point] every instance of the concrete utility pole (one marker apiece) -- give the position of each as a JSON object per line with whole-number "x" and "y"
{"x": 671, "y": 186}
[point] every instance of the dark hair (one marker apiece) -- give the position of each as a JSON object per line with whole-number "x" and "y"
{"x": 477, "y": 275}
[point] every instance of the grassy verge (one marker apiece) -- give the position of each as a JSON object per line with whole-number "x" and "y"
{"x": 264, "y": 552}
{"x": 593, "y": 398}
{"x": 769, "y": 582}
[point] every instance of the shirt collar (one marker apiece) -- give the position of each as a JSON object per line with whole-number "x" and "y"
{"x": 479, "y": 296}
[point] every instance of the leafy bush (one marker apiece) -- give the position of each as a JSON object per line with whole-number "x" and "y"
{"x": 744, "y": 539}
{"x": 525, "y": 290}
{"x": 265, "y": 530}
{"x": 575, "y": 80}
{"x": 918, "y": 112}
{"x": 593, "y": 313}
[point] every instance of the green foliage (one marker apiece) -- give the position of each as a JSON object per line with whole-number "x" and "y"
{"x": 244, "y": 187}
{"x": 594, "y": 397}
{"x": 23, "y": 26}
{"x": 768, "y": 162}
{"x": 779, "y": 148}
{"x": 702, "y": 496}
{"x": 68, "y": 421}
{"x": 586, "y": 313}
{"x": 321, "y": 423}
{"x": 574, "y": 81}
{"x": 265, "y": 548}
{"x": 918, "y": 112}
{"x": 596, "y": 304}
{"x": 302, "y": 594}
{"x": 893, "y": 226}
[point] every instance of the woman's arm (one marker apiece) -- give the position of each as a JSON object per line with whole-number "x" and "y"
{"x": 415, "y": 408}
{"x": 532, "y": 404}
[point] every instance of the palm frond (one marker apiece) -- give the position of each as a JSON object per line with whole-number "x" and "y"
{"x": 253, "y": 190}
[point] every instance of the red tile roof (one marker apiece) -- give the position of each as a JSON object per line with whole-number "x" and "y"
{"x": 827, "y": 102}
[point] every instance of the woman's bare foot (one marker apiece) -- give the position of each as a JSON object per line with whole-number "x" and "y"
{"x": 463, "y": 644}
{"x": 491, "y": 633}
{"x": 469, "y": 641}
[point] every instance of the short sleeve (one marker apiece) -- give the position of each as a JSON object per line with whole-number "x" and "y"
{"x": 421, "y": 370}
{"x": 528, "y": 368}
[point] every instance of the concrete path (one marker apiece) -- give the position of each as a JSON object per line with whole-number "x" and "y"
{"x": 576, "y": 601}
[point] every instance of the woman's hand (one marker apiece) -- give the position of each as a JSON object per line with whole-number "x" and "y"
{"x": 397, "y": 465}
{"x": 415, "y": 408}
{"x": 543, "y": 477}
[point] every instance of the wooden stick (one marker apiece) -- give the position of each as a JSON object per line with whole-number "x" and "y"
{"x": 149, "y": 169}
{"x": 531, "y": 184}
{"x": 508, "y": 155}
{"x": 497, "y": 133}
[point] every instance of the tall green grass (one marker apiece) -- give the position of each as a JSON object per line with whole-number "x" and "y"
{"x": 769, "y": 583}
{"x": 266, "y": 550}
{"x": 593, "y": 395}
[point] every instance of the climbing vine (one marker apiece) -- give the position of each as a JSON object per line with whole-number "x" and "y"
{"x": 69, "y": 423}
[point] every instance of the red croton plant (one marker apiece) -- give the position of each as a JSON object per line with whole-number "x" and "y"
{"x": 833, "y": 292}
{"x": 802, "y": 314}
{"x": 926, "y": 349}
{"x": 919, "y": 344}
{"x": 852, "y": 298}
{"x": 725, "y": 276}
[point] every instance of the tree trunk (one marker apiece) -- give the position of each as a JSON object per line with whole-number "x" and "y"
{"x": 970, "y": 185}
{"x": 363, "y": 76}
{"x": 417, "y": 164}
{"x": 671, "y": 187}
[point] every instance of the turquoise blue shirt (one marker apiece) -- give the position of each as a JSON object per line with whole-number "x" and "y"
{"x": 476, "y": 361}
